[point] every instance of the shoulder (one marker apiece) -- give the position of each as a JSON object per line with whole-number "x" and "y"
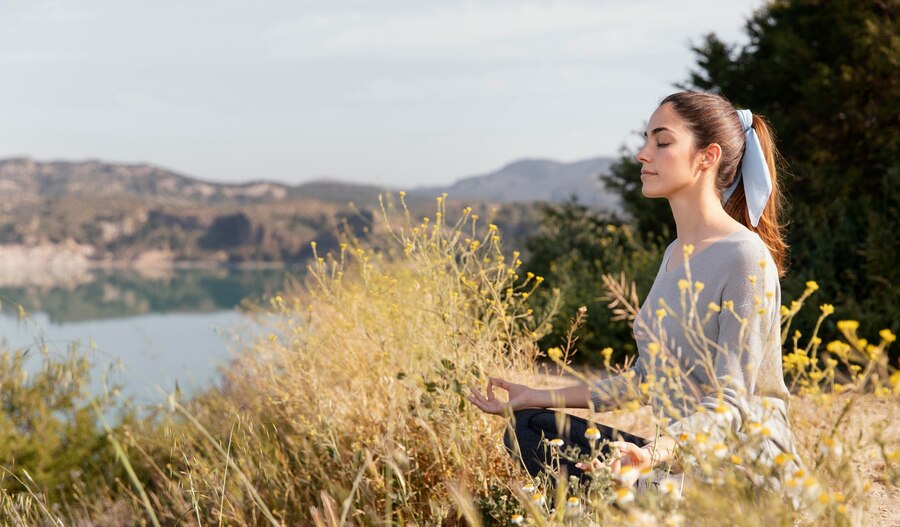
{"x": 751, "y": 270}
{"x": 744, "y": 250}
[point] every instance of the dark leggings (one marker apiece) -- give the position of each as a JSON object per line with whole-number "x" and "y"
{"x": 532, "y": 425}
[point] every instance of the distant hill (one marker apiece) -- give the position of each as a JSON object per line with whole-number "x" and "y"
{"x": 68, "y": 215}
{"x": 536, "y": 180}
{"x": 30, "y": 180}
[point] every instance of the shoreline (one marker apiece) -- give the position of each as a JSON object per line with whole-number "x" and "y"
{"x": 71, "y": 264}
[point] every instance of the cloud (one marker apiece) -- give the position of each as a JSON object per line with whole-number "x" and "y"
{"x": 143, "y": 102}
{"x": 55, "y": 13}
{"x": 514, "y": 31}
{"x": 27, "y": 57}
{"x": 524, "y": 82}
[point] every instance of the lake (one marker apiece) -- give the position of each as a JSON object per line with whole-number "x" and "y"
{"x": 176, "y": 326}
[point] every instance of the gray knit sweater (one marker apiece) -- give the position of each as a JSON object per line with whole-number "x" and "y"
{"x": 735, "y": 372}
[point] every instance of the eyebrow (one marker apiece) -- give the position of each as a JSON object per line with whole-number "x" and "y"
{"x": 658, "y": 130}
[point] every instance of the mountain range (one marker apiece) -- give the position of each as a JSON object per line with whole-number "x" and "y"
{"x": 109, "y": 213}
{"x": 26, "y": 180}
{"x": 537, "y": 180}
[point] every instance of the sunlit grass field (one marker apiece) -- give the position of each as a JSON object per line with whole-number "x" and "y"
{"x": 351, "y": 410}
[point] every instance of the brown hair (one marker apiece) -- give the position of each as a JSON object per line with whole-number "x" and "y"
{"x": 713, "y": 119}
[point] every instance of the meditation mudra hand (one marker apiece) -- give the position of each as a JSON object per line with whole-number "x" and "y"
{"x": 517, "y": 397}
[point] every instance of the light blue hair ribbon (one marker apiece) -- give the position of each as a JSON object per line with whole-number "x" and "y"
{"x": 754, "y": 172}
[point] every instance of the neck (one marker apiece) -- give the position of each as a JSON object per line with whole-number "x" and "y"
{"x": 698, "y": 215}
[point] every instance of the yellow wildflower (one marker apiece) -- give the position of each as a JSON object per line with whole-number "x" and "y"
{"x": 887, "y": 336}
{"x": 847, "y": 325}
{"x": 714, "y": 307}
{"x": 827, "y": 309}
{"x": 894, "y": 381}
{"x": 782, "y": 458}
{"x": 554, "y": 353}
{"x": 683, "y": 284}
{"x": 660, "y": 313}
{"x": 812, "y": 285}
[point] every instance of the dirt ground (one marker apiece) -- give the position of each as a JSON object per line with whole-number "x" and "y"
{"x": 810, "y": 422}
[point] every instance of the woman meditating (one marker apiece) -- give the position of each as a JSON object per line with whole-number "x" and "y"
{"x": 715, "y": 165}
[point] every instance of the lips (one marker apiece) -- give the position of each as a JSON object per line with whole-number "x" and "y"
{"x": 647, "y": 173}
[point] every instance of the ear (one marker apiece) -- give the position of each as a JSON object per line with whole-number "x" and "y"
{"x": 710, "y": 156}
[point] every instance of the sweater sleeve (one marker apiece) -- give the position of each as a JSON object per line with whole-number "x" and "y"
{"x": 743, "y": 331}
{"x": 609, "y": 393}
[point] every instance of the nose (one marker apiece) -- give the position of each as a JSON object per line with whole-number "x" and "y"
{"x": 641, "y": 155}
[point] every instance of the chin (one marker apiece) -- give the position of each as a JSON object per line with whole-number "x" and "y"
{"x": 649, "y": 193}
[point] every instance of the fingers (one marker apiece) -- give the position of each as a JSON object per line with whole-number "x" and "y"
{"x": 488, "y": 402}
{"x": 476, "y": 397}
{"x": 588, "y": 467}
{"x": 496, "y": 381}
{"x": 486, "y": 405}
{"x": 625, "y": 446}
{"x": 624, "y": 454}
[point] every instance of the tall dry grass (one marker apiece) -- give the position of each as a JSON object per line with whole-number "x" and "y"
{"x": 351, "y": 411}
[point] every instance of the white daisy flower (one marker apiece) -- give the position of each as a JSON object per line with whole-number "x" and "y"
{"x": 624, "y": 496}
{"x": 592, "y": 434}
{"x": 670, "y": 487}
{"x": 831, "y": 447}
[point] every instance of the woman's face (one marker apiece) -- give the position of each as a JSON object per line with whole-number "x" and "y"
{"x": 667, "y": 157}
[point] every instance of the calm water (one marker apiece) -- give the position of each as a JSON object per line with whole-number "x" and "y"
{"x": 181, "y": 327}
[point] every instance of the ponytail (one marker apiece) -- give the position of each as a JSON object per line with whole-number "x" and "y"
{"x": 769, "y": 227}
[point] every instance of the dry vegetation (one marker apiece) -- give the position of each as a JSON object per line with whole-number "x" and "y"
{"x": 352, "y": 411}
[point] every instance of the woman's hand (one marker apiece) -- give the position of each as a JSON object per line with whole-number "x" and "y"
{"x": 518, "y": 395}
{"x": 629, "y": 454}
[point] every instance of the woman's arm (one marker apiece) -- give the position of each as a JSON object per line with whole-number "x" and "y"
{"x": 603, "y": 395}
{"x": 522, "y": 396}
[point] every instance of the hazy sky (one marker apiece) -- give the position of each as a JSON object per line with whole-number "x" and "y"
{"x": 395, "y": 92}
